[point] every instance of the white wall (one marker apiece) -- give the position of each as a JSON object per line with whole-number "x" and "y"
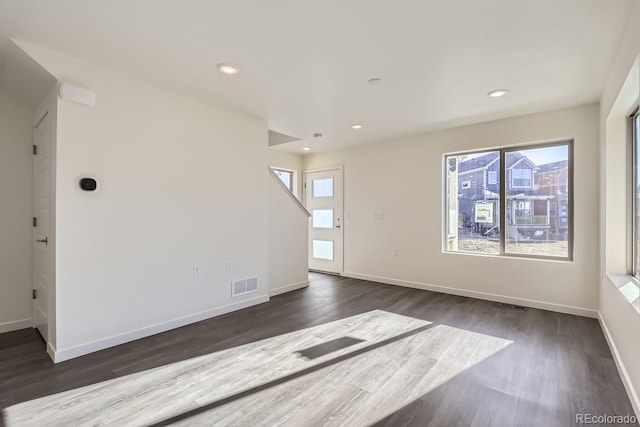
{"x": 291, "y": 161}
{"x": 620, "y": 312}
{"x": 15, "y": 220}
{"x": 125, "y": 254}
{"x": 404, "y": 179}
{"x": 288, "y": 241}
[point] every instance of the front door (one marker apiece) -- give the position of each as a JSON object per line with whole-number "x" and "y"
{"x": 41, "y": 253}
{"x": 323, "y": 198}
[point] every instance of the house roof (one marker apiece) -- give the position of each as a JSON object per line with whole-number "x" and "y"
{"x": 548, "y": 167}
{"x": 515, "y": 158}
{"x": 478, "y": 162}
{"x": 486, "y": 160}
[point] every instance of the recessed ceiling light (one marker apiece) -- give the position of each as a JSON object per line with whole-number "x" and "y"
{"x": 228, "y": 69}
{"x": 497, "y": 93}
{"x": 376, "y": 81}
{"x": 306, "y": 148}
{"x": 356, "y": 126}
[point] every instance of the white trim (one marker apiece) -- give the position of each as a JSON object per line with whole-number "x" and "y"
{"x": 288, "y": 288}
{"x": 16, "y": 325}
{"x": 513, "y": 169}
{"x": 341, "y": 167}
{"x": 497, "y": 159}
{"x": 521, "y": 159}
{"x": 560, "y": 308}
{"x": 495, "y": 181}
{"x": 51, "y": 351}
{"x": 101, "y": 344}
{"x": 624, "y": 375}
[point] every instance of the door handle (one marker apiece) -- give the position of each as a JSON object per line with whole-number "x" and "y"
{"x": 45, "y": 240}
{"x": 338, "y": 226}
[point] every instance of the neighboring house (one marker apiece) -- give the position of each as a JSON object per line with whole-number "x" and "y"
{"x": 533, "y": 210}
{"x": 527, "y": 210}
{"x": 479, "y": 181}
{"x": 552, "y": 180}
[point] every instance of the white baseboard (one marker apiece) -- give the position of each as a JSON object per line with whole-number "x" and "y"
{"x": 288, "y": 288}
{"x": 16, "y": 325}
{"x": 567, "y": 309}
{"x": 101, "y": 344}
{"x": 626, "y": 380}
{"x": 51, "y": 351}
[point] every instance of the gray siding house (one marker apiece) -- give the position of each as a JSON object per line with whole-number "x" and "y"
{"x": 532, "y": 212}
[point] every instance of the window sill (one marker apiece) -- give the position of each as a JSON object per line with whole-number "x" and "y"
{"x": 523, "y": 257}
{"x": 628, "y": 287}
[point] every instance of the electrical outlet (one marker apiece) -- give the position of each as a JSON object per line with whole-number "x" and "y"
{"x": 196, "y": 271}
{"x": 227, "y": 266}
{"x": 396, "y": 252}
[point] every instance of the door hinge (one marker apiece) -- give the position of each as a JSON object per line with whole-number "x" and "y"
{"x": 34, "y": 294}
{"x": 35, "y": 221}
{"x": 35, "y": 150}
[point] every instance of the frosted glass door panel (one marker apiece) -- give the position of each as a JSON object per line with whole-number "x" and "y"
{"x": 322, "y": 218}
{"x": 323, "y": 249}
{"x": 323, "y": 187}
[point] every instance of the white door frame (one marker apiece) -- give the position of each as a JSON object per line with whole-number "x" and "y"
{"x": 304, "y": 202}
{"x": 40, "y": 248}
{"x": 49, "y": 108}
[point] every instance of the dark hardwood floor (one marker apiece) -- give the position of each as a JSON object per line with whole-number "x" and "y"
{"x": 431, "y": 360}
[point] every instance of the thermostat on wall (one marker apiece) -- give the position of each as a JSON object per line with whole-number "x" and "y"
{"x": 88, "y": 184}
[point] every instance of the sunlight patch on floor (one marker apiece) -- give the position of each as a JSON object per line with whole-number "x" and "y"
{"x": 390, "y": 361}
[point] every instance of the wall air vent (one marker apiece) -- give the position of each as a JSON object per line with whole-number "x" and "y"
{"x": 252, "y": 284}
{"x": 244, "y": 286}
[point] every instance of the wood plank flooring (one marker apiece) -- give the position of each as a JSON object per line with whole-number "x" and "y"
{"x": 342, "y": 352}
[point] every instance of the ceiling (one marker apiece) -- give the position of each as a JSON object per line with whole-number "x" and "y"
{"x": 304, "y": 65}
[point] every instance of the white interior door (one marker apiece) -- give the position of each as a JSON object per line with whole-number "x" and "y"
{"x": 323, "y": 198}
{"x": 42, "y": 137}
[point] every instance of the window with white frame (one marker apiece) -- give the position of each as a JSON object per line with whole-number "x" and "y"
{"x": 635, "y": 189}
{"x": 286, "y": 176}
{"x": 529, "y": 215}
{"x": 521, "y": 178}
